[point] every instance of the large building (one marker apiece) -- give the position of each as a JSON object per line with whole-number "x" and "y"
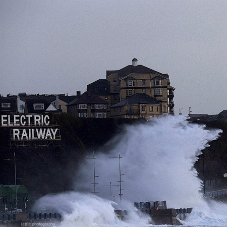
{"x": 137, "y": 79}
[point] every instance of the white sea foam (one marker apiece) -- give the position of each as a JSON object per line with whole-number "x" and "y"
{"x": 80, "y": 210}
{"x": 157, "y": 160}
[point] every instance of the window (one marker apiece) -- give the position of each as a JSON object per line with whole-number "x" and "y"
{"x": 99, "y": 115}
{"x": 98, "y": 106}
{"x": 144, "y": 91}
{"x": 151, "y": 108}
{"x": 82, "y": 106}
{"x": 129, "y": 92}
{"x": 143, "y": 82}
{"x": 115, "y": 88}
{"x": 82, "y": 114}
{"x": 158, "y": 91}
{"x": 143, "y": 108}
{"x": 21, "y": 107}
{"x": 5, "y": 105}
{"x": 114, "y": 80}
{"x": 38, "y": 106}
{"x": 59, "y": 107}
{"x": 106, "y": 97}
{"x": 164, "y": 109}
{"x": 158, "y": 82}
{"x": 130, "y": 83}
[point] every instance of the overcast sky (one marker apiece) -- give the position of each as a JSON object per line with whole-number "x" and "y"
{"x": 60, "y": 46}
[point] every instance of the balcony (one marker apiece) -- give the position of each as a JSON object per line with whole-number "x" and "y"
{"x": 171, "y": 94}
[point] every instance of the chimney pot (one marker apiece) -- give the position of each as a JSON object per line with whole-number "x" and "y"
{"x": 134, "y": 62}
{"x": 78, "y": 93}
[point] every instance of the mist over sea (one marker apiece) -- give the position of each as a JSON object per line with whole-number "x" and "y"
{"x": 156, "y": 163}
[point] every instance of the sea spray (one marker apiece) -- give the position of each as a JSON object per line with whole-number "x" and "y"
{"x": 80, "y": 210}
{"x": 157, "y": 163}
{"x": 207, "y": 213}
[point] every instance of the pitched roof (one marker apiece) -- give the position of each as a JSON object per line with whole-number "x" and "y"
{"x": 31, "y": 101}
{"x": 137, "y": 99}
{"x": 99, "y": 87}
{"x": 87, "y": 98}
{"x": 48, "y": 98}
{"x": 223, "y": 114}
{"x": 139, "y": 69}
{"x": 67, "y": 99}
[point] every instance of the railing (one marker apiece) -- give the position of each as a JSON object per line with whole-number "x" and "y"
{"x": 183, "y": 211}
{"x": 217, "y": 193}
{"x": 30, "y": 216}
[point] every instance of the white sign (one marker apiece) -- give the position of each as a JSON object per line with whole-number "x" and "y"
{"x": 30, "y": 127}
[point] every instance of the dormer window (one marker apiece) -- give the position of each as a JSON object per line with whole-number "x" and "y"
{"x": 5, "y": 105}
{"x": 158, "y": 82}
{"x": 38, "y": 106}
{"x": 131, "y": 83}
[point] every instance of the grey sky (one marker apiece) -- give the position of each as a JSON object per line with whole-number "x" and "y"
{"x": 60, "y": 46}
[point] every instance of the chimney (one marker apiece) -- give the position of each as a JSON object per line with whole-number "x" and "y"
{"x": 134, "y": 62}
{"x": 78, "y": 93}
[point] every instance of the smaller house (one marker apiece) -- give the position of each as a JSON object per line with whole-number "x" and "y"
{"x": 62, "y": 101}
{"x": 137, "y": 106}
{"x": 88, "y": 106}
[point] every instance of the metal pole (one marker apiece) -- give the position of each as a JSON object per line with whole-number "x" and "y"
{"x": 204, "y": 180}
{"x": 94, "y": 172}
{"x": 94, "y": 175}
{"x": 110, "y": 191}
{"x": 120, "y": 174}
{"x": 189, "y": 114}
{"x": 15, "y": 175}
